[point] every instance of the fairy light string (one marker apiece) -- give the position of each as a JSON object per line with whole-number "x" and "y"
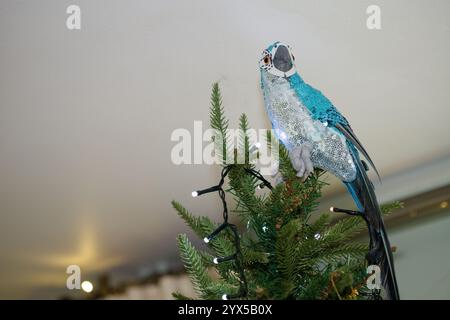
{"x": 236, "y": 257}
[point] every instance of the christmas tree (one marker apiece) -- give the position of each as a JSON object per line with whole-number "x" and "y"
{"x": 286, "y": 250}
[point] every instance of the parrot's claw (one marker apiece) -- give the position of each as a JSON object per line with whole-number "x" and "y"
{"x": 301, "y": 160}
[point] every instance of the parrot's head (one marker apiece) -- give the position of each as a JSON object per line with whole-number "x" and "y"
{"x": 278, "y": 60}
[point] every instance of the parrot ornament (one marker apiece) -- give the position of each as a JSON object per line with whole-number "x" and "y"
{"x": 317, "y": 135}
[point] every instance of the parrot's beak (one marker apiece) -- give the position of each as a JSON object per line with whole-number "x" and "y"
{"x": 282, "y": 59}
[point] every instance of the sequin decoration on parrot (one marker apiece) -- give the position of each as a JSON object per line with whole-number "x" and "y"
{"x": 318, "y": 136}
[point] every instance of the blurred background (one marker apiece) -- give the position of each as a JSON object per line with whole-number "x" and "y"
{"x": 86, "y": 118}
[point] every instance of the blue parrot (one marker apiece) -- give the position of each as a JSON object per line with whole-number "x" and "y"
{"x": 317, "y": 135}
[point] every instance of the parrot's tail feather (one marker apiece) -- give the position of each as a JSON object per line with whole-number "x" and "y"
{"x": 389, "y": 281}
{"x": 380, "y": 252}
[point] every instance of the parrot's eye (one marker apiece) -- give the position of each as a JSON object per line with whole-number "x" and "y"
{"x": 266, "y": 59}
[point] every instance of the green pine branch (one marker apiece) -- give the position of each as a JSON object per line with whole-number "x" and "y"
{"x": 203, "y": 226}
{"x": 179, "y": 296}
{"x": 219, "y": 123}
{"x": 194, "y": 265}
{"x": 244, "y": 139}
{"x": 388, "y": 208}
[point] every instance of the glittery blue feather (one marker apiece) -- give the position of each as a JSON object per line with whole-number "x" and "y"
{"x": 320, "y": 107}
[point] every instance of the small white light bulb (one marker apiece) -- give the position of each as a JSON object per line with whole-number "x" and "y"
{"x": 87, "y": 286}
{"x": 224, "y": 296}
{"x": 215, "y": 261}
{"x": 206, "y": 240}
{"x": 194, "y": 194}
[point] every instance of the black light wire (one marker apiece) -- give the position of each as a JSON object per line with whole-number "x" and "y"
{"x": 237, "y": 255}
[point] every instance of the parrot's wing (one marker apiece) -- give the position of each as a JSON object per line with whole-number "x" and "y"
{"x": 323, "y": 110}
{"x": 350, "y": 136}
{"x": 320, "y": 106}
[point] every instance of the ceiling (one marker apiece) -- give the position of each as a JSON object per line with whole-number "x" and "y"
{"x": 86, "y": 116}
